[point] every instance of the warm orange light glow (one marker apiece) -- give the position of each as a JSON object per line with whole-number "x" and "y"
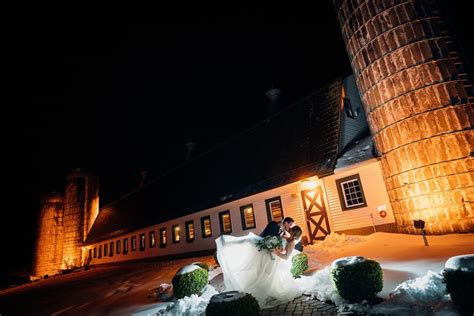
{"x": 207, "y": 227}
{"x": 163, "y": 236}
{"x": 191, "y": 231}
{"x": 176, "y": 233}
{"x": 309, "y": 184}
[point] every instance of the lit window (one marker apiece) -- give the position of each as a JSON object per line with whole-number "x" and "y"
{"x": 142, "y": 242}
{"x": 350, "y": 192}
{"x": 95, "y": 252}
{"x": 176, "y": 235}
{"x": 100, "y": 251}
{"x": 189, "y": 231}
{"x": 133, "y": 242}
{"x": 111, "y": 249}
{"x": 118, "y": 247}
{"x": 226, "y": 224}
{"x": 152, "y": 239}
{"x": 350, "y": 112}
{"x": 125, "y": 246}
{"x": 163, "y": 239}
{"x": 206, "y": 226}
{"x": 248, "y": 217}
{"x": 274, "y": 209}
{"x": 106, "y": 248}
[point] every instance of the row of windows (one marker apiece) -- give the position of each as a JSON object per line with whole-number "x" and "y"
{"x": 350, "y": 192}
{"x": 108, "y": 248}
{"x": 274, "y": 213}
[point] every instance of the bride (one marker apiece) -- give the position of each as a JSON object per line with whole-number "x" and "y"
{"x": 267, "y": 278}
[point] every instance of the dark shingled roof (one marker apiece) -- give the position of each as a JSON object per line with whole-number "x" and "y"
{"x": 359, "y": 151}
{"x": 297, "y": 142}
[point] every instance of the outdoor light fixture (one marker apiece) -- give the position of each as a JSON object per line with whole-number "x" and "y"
{"x": 309, "y": 184}
{"x": 420, "y": 224}
{"x": 382, "y": 209}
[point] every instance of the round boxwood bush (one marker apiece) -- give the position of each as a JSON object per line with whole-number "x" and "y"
{"x": 233, "y": 303}
{"x": 189, "y": 280}
{"x": 357, "y": 279}
{"x": 460, "y": 286}
{"x": 299, "y": 264}
{"x": 459, "y": 278}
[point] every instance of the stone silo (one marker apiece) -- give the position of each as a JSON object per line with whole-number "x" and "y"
{"x": 418, "y": 102}
{"x": 49, "y": 237}
{"x": 81, "y": 207}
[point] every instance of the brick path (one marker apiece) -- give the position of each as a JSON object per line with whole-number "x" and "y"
{"x": 303, "y": 305}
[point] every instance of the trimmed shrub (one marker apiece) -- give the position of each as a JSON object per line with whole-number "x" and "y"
{"x": 358, "y": 281}
{"x": 233, "y": 303}
{"x": 299, "y": 264}
{"x": 189, "y": 283}
{"x": 203, "y": 265}
{"x": 460, "y": 286}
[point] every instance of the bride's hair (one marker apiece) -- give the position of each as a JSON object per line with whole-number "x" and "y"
{"x": 295, "y": 232}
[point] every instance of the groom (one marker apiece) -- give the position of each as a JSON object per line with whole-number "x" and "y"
{"x": 278, "y": 229}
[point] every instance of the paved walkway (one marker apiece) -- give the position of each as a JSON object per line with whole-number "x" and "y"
{"x": 303, "y": 305}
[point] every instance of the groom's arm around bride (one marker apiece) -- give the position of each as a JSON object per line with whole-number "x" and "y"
{"x": 275, "y": 229}
{"x": 272, "y": 229}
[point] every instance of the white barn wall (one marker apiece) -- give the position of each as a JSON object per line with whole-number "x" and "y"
{"x": 291, "y": 202}
{"x": 374, "y": 191}
{"x": 375, "y": 194}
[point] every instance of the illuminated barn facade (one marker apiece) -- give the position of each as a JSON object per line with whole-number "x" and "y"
{"x": 313, "y": 160}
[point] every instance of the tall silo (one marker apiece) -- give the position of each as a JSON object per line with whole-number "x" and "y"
{"x": 81, "y": 207}
{"x": 49, "y": 236}
{"x": 418, "y": 102}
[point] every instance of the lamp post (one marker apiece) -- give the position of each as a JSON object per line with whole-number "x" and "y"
{"x": 420, "y": 224}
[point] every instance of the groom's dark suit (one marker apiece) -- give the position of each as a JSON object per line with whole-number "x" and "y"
{"x": 274, "y": 229}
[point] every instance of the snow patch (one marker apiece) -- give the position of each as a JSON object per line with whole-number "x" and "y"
{"x": 189, "y": 305}
{"x": 335, "y": 240}
{"x": 347, "y": 261}
{"x": 429, "y": 288}
{"x": 214, "y": 272}
{"x": 320, "y": 285}
{"x": 163, "y": 292}
{"x": 187, "y": 269}
{"x": 421, "y": 296}
{"x": 329, "y": 247}
{"x": 463, "y": 262}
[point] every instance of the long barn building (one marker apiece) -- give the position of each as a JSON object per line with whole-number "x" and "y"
{"x": 314, "y": 161}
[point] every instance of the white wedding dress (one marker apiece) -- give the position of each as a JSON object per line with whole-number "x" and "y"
{"x": 247, "y": 270}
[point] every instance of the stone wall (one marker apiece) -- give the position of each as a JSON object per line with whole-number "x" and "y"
{"x": 49, "y": 237}
{"x": 81, "y": 206}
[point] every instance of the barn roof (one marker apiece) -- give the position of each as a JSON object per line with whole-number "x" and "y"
{"x": 299, "y": 141}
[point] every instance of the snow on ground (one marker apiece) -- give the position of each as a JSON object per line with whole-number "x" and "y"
{"x": 412, "y": 283}
{"x": 187, "y": 306}
{"x": 131, "y": 289}
{"x": 187, "y": 269}
{"x": 463, "y": 262}
{"x": 401, "y": 256}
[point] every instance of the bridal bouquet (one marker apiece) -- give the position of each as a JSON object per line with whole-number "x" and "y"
{"x": 269, "y": 243}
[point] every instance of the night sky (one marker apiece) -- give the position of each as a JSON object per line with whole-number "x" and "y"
{"x": 120, "y": 98}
